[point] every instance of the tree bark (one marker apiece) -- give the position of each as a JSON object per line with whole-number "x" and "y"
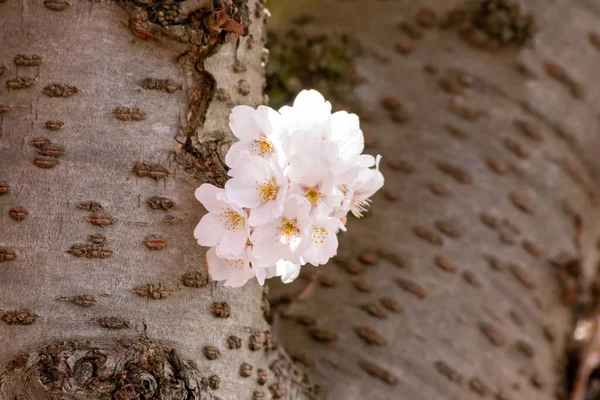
{"x": 103, "y": 288}
{"x": 84, "y": 318}
{"x": 457, "y": 294}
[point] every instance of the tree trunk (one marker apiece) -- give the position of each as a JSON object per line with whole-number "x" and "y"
{"x": 464, "y": 296}
{"x": 103, "y": 292}
{"x": 490, "y": 192}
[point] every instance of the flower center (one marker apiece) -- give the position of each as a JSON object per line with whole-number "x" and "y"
{"x": 232, "y": 220}
{"x": 268, "y": 190}
{"x": 263, "y": 146}
{"x": 288, "y": 230}
{"x": 319, "y": 234}
{"x": 313, "y": 195}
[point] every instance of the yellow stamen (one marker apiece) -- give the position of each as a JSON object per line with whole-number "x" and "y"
{"x": 268, "y": 190}
{"x": 313, "y": 195}
{"x": 319, "y": 234}
{"x": 288, "y": 230}
{"x": 231, "y": 219}
{"x": 263, "y": 146}
{"x": 358, "y": 207}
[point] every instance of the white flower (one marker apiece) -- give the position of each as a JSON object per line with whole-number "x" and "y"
{"x": 311, "y": 176}
{"x": 234, "y": 272}
{"x": 310, "y": 113}
{"x": 225, "y": 226}
{"x": 357, "y": 194}
{"x": 310, "y": 119}
{"x": 347, "y": 135}
{"x": 259, "y": 185}
{"x": 295, "y": 175}
{"x": 285, "y": 238}
{"x": 324, "y": 241}
{"x": 259, "y": 132}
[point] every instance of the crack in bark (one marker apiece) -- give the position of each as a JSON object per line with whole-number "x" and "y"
{"x": 204, "y": 25}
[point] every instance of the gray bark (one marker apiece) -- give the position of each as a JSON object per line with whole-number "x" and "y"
{"x": 439, "y": 344}
{"x": 50, "y": 345}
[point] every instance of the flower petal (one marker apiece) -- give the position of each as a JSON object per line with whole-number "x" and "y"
{"x": 264, "y": 213}
{"x": 366, "y": 160}
{"x": 207, "y": 195}
{"x": 233, "y": 244}
{"x": 311, "y": 101}
{"x": 242, "y": 123}
{"x": 310, "y": 113}
{"x": 210, "y": 230}
{"x": 324, "y": 242}
{"x": 235, "y": 273}
{"x": 267, "y": 246}
{"x": 264, "y": 273}
{"x": 243, "y": 192}
{"x": 345, "y": 132}
{"x": 233, "y": 154}
{"x": 287, "y": 270}
{"x": 343, "y": 121}
{"x": 268, "y": 120}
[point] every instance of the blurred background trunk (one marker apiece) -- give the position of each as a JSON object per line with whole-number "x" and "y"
{"x": 461, "y": 281}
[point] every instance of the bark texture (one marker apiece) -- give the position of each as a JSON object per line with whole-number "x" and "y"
{"x": 447, "y": 289}
{"x": 459, "y": 298}
{"x": 104, "y": 137}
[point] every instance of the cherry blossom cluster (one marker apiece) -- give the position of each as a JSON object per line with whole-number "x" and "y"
{"x": 294, "y": 176}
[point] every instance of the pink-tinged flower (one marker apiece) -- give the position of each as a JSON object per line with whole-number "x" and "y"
{"x": 311, "y": 176}
{"x": 295, "y": 175}
{"x": 324, "y": 241}
{"x": 235, "y": 272}
{"x": 259, "y": 132}
{"x": 224, "y": 226}
{"x": 258, "y": 185}
{"x": 285, "y": 238}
